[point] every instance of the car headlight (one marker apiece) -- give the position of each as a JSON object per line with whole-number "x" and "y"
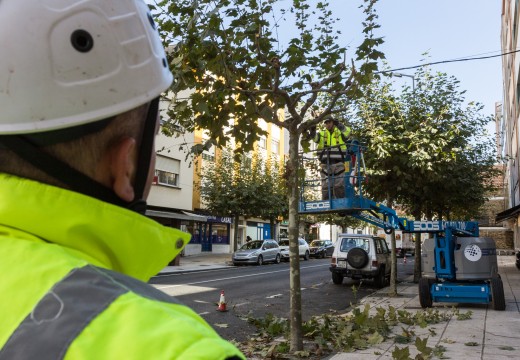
{"x": 254, "y": 253}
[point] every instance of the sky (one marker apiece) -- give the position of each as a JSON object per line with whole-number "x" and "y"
{"x": 446, "y": 29}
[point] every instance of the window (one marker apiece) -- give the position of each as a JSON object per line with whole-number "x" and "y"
{"x": 167, "y": 171}
{"x": 208, "y": 156}
{"x": 275, "y": 146}
{"x": 262, "y": 143}
{"x": 379, "y": 248}
{"x": 167, "y": 178}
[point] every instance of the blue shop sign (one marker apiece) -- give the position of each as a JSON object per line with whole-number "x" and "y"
{"x": 218, "y": 219}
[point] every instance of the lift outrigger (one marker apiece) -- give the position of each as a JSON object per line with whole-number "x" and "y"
{"x": 459, "y": 265}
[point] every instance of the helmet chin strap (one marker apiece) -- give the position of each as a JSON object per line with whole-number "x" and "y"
{"x": 146, "y": 150}
{"x": 26, "y": 147}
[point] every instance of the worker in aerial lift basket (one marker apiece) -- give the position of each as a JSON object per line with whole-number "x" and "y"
{"x": 332, "y": 151}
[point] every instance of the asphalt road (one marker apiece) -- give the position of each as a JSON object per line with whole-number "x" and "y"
{"x": 260, "y": 290}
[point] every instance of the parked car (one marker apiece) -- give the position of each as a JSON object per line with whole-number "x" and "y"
{"x": 257, "y": 252}
{"x": 401, "y": 252}
{"x": 360, "y": 257}
{"x": 321, "y": 248}
{"x": 303, "y": 248}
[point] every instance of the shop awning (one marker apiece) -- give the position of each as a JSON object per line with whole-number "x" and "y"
{"x": 183, "y": 215}
{"x": 197, "y": 217}
{"x": 508, "y": 214}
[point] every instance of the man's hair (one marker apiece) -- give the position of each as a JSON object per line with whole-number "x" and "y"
{"x": 82, "y": 153}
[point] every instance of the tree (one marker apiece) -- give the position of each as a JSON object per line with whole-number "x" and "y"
{"x": 227, "y": 52}
{"x": 427, "y": 149}
{"x": 225, "y": 188}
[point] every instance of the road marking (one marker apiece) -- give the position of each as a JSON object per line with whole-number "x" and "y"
{"x": 233, "y": 277}
{"x": 204, "y": 313}
{"x": 242, "y": 304}
{"x": 273, "y": 296}
{"x": 202, "y": 301}
{"x": 179, "y": 290}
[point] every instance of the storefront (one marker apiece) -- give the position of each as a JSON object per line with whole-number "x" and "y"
{"x": 258, "y": 230}
{"x": 213, "y": 235}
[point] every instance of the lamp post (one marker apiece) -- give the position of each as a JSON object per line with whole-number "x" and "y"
{"x": 406, "y": 75}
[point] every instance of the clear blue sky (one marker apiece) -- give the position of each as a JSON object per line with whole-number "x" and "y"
{"x": 447, "y": 29}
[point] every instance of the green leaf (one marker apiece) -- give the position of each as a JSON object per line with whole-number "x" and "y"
{"x": 401, "y": 354}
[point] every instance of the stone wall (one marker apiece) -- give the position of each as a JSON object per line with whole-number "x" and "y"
{"x": 503, "y": 237}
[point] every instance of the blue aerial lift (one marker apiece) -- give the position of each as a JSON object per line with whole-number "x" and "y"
{"x": 458, "y": 265}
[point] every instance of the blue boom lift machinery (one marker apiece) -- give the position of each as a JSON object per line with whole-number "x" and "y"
{"x": 458, "y": 265}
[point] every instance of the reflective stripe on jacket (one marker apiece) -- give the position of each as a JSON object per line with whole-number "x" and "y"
{"x": 65, "y": 289}
{"x": 332, "y": 144}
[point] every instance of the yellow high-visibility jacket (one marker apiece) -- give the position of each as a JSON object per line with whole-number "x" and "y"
{"x": 71, "y": 285}
{"x": 332, "y": 144}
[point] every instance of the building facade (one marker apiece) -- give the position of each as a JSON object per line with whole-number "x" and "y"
{"x": 271, "y": 145}
{"x": 508, "y": 119}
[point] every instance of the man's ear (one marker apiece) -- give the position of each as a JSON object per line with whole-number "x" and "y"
{"x": 122, "y": 161}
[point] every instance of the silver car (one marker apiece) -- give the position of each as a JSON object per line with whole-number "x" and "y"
{"x": 303, "y": 249}
{"x": 257, "y": 252}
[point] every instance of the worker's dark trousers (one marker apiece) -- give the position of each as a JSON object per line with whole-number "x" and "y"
{"x": 336, "y": 174}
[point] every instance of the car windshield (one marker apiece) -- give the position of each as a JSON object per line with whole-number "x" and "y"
{"x": 284, "y": 243}
{"x": 318, "y": 243}
{"x": 252, "y": 245}
{"x": 349, "y": 243}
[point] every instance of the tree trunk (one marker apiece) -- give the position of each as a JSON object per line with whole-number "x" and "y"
{"x": 393, "y": 261}
{"x": 330, "y": 228}
{"x": 295, "y": 319}
{"x": 417, "y": 263}
{"x": 235, "y": 235}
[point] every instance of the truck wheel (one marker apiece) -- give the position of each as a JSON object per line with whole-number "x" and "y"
{"x": 337, "y": 278}
{"x": 357, "y": 258}
{"x": 380, "y": 279}
{"x": 497, "y": 294}
{"x": 425, "y": 295}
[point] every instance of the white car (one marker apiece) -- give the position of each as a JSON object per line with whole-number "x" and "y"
{"x": 360, "y": 257}
{"x": 302, "y": 245}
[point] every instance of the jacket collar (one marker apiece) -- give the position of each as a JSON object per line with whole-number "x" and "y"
{"x": 103, "y": 234}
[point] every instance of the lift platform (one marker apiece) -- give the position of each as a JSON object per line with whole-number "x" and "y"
{"x": 325, "y": 189}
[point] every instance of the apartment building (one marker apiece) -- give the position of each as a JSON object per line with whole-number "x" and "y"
{"x": 218, "y": 232}
{"x": 174, "y": 198}
{"x": 508, "y": 117}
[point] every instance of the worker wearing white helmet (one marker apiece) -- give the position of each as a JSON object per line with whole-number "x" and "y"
{"x": 79, "y": 90}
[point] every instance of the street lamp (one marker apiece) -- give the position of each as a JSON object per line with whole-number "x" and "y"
{"x": 406, "y": 75}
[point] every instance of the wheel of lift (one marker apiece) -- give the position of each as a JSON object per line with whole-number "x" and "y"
{"x": 357, "y": 258}
{"x": 425, "y": 295}
{"x": 497, "y": 294}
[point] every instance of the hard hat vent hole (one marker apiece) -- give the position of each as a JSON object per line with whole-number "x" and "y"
{"x": 82, "y": 40}
{"x": 150, "y": 19}
{"x": 164, "y": 63}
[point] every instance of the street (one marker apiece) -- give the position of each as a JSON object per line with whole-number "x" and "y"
{"x": 260, "y": 290}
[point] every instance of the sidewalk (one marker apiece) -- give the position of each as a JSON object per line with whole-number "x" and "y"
{"x": 488, "y": 334}
{"x": 203, "y": 261}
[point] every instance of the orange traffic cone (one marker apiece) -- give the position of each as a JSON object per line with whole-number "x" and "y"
{"x": 222, "y": 302}
{"x": 404, "y": 259}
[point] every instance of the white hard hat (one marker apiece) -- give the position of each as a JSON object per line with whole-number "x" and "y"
{"x": 70, "y": 62}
